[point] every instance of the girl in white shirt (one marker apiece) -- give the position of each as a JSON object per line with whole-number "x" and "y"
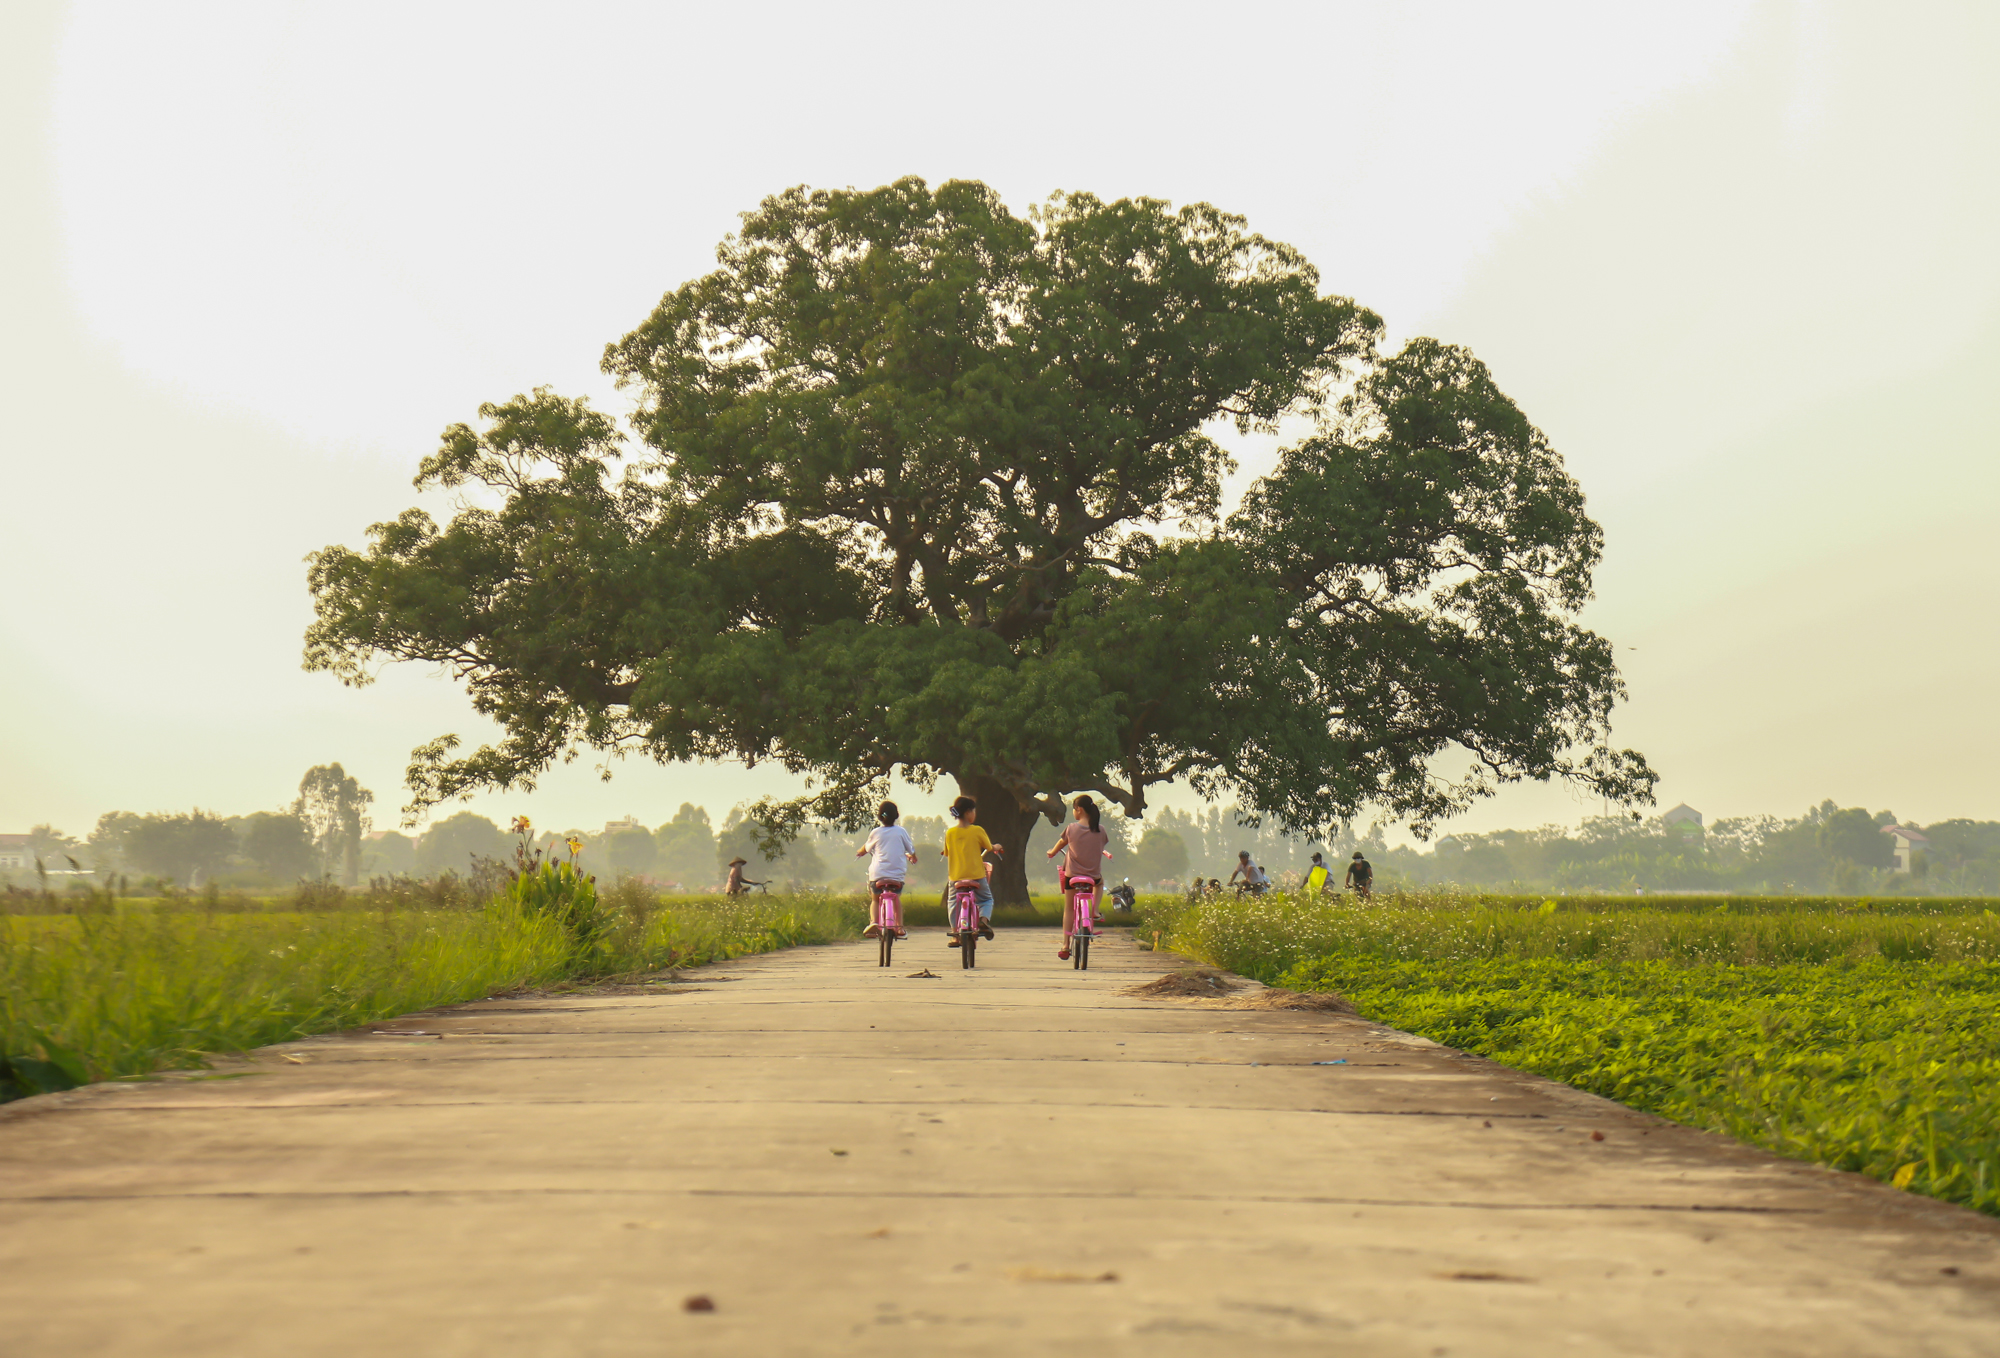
{"x": 893, "y": 853}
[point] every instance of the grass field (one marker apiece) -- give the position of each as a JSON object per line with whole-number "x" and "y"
{"x": 120, "y": 992}
{"x": 1859, "y": 1036}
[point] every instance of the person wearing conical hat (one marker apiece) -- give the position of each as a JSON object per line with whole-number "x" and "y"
{"x": 738, "y": 883}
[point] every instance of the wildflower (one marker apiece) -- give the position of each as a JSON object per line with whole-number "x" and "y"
{"x": 521, "y": 825}
{"x": 575, "y": 843}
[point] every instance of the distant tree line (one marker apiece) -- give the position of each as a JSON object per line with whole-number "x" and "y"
{"x": 1829, "y": 848}
{"x": 319, "y": 834}
{"x": 323, "y": 834}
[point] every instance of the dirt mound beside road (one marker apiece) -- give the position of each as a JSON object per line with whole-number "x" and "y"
{"x": 1233, "y": 992}
{"x": 1198, "y": 982}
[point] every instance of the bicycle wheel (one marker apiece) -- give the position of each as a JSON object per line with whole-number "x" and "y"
{"x": 968, "y": 944}
{"x": 888, "y": 945}
{"x": 1075, "y": 953}
{"x": 1083, "y": 953}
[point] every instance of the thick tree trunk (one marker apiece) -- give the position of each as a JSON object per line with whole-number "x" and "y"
{"x": 1007, "y": 824}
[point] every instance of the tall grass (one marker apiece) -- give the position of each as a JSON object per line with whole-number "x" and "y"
{"x": 121, "y": 992}
{"x": 1264, "y": 936}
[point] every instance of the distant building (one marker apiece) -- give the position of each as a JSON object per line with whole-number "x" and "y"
{"x": 612, "y": 827}
{"x": 1908, "y": 840}
{"x": 1449, "y": 844}
{"x": 16, "y": 851}
{"x": 1682, "y": 815}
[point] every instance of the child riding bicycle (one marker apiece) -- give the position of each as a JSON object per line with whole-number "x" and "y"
{"x": 893, "y": 853}
{"x": 1083, "y": 841}
{"x": 965, "y": 850}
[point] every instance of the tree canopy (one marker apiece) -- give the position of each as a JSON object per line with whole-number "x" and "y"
{"x": 279, "y": 844}
{"x": 919, "y": 485}
{"x": 333, "y": 806}
{"x": 188, "y": 847}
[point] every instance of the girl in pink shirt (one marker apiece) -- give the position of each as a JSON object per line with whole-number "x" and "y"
{"x": 1082, "y": 842}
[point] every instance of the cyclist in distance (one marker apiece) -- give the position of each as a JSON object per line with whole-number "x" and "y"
{"x": 965, "y": 850}
{"x": 738, "y": 883}
{"x": 893, "y": 853}
{"x": 1082, "y": 842}
{"x": 1361, "y": 877}
{"x": 1255, "y": 880}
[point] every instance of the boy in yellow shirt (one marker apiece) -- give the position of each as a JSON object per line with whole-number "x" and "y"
{"x": 965, "y": 850}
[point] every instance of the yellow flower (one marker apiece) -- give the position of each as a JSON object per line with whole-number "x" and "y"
{"x": 521, "y": 826}
{"x": 575, "y": 844}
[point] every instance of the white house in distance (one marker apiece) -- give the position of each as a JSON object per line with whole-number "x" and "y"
{"x": 1908, "y": 840}
{"x": 1683, "y": 820}
{"x": 16, "y": 851}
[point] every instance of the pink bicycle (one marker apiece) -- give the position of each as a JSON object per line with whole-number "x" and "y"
{"x": 1080, "y": 921}
{"x": 888, "y": 917}
{"x": 965, "y": 919}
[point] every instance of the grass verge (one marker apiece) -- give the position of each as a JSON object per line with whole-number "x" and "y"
{"x": 121, "y": 993}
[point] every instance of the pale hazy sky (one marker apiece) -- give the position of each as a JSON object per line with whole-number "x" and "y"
{"x": 1738, "y": 260}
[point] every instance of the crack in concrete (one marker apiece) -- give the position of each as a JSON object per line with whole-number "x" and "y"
{"x": 994, "y": 1195}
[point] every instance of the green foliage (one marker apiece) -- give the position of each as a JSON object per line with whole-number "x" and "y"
{"x": 279, "y": 844}
{"x": 796, "y": 864}
{"x": 388, "y": 854}
{"x": 1964, "y": 855}
{"x": 126, "y": 993}
{"x": 927, "y": 836}
{"x": 686, "y": 846}
{"x": 1162, "y": 855}
{"x": 1265, "y": 936}
{"x": 630, "y": 852}
{"x": 334, "y": 805}
{"x": 109, "y": 840}
{"x": 1869, "y": 1066}
{"x": 901, "y": 465}
{"x": 119, "y": 992}
{"x": 451, "y": 844}
{"x": 1854, "y": 837}
{"x": 50, "y": 844}
{"x": 1867, "y": 1040}
{"x": 1828, "y": 848}
{"x": 558, "y": 891}
{"x": 178, "y": 847}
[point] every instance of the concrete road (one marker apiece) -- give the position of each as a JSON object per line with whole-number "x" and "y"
{"x": 1015, "y": 1160}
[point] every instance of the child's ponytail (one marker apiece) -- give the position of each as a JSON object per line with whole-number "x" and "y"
{"x": 1088, "y": 805}
{"x": 887, "y": 813}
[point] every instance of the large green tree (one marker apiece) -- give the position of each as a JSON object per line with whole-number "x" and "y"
{"x": 1854, "y": 837}
{"x": 333, "y": 806}
{"x": 279, "y": 843}
{"x": 686, "y": 847}
{"x": 921, "y": 485}
{"x": 454, "y": 843}
{"x": 181, "y": 847}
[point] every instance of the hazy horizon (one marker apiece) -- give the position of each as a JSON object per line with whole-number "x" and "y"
{"x": 1734, "y": 259}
